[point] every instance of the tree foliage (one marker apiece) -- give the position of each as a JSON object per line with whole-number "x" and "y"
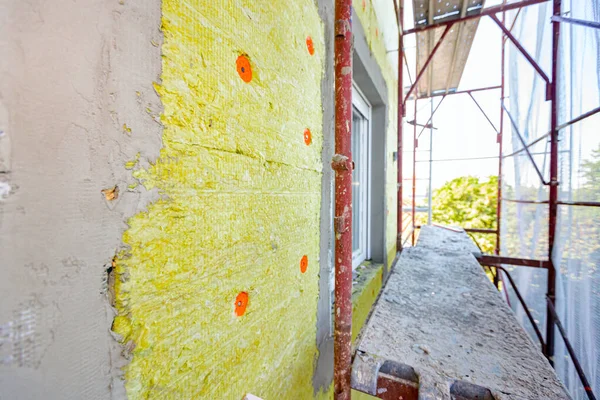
{"x": 590, "y": 170}
{"x": 468, "y": 202}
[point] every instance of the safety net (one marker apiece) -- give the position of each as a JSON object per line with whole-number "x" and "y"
{"x": 526, "y": 175}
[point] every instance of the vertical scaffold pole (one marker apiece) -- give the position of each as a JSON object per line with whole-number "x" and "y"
{"x": 553, "y": 198}
{"x": 400, "y": 215}
{"x": 342, "y": 165}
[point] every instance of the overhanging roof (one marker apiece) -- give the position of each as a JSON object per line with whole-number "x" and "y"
{"x": 445, "y": 70}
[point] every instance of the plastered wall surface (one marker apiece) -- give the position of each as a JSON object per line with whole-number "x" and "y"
{"x": 72, "y": 75}
{"x": 323, "y": 373}
{"x": 368, "y": 19}
{"x": 217, "y": 292}
{"x": 192, "y": 172}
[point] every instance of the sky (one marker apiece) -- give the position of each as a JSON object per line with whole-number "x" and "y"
{"x": 462, "y": 130}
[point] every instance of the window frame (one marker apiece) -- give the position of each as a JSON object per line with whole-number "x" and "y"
{"x": 364, "y": 108}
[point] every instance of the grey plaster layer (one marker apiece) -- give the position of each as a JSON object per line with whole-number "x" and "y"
{"x": 365, "y": 69}
{"x": 367, "y": 75}
{"x": 323, "y": 374}
{"x": 72, "y": 74}
{"x": 441, "y": 315}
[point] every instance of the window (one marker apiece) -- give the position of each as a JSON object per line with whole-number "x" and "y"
{"x": 368, "y": 178}
{"x": 361, "y": 177}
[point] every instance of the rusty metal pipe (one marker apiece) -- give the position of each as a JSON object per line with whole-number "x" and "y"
{"x": 414, "y": 176}
{"x": 428, "y": 123}
{"x": 480, "y": 230}
{"x": 522, "y": 301}
{"x": 487, "y": 259}
{"x": 399, "y": 224}
{"x": 559, "y": 127}
{"x": 581, "y": 117}
{"x": 342, "y": 165}
{"x": 525, "y": 54}
{"x": 528, "y": 146}
{"x": 407, "y": 69}
{"x": 499, "y": 141}
{"x": 584, "y": 381}
{"x": 553, "y": 196}
{"x": 580, "y": 22}
{"x": 579, "y": 203}
{"x": 485, "y": 115}
{"x": 513, "y": 23}
{"x": 516, "y": 130}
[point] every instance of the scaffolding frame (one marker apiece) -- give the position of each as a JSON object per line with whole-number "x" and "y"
{"x": 552, "y": 96}
{"x": 342, "y": 166}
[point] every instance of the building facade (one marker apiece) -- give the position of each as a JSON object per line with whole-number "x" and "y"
{"x": 166, "y": 196}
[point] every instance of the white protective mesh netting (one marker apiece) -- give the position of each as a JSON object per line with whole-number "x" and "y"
{"x": 524, "y": 227}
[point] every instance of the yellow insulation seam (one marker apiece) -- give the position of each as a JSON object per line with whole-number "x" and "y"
{"x": 211, "y": 295}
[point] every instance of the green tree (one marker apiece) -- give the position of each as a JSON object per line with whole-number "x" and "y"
{"x": 590, "y": 171}
{"x": 586, "y": 220}
{"x": 469, "y": 203}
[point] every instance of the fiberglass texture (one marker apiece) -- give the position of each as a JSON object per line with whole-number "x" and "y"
{"x": 217, "y": 293}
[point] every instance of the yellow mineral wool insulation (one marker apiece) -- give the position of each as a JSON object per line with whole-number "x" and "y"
{"x": 217, "y": 293}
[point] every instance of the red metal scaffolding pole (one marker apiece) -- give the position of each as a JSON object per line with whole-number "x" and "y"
{"x": 399, "y": 226}
{"x": 414, "y": 173}
{"x": 342, "y": 165}
{"x": 498, "y": 275}
{"x": 580, "y": 22}
{"x": 485, "y": 115}
{"x": 525, "y": 54}
{"x": 553, "y": 197}
{"x": 428, "y": 124}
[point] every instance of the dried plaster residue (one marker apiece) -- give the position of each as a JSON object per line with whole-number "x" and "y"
{"x": 217, "y": 292}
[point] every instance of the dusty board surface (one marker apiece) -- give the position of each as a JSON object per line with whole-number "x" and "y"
{"x": 440, "y": 315}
